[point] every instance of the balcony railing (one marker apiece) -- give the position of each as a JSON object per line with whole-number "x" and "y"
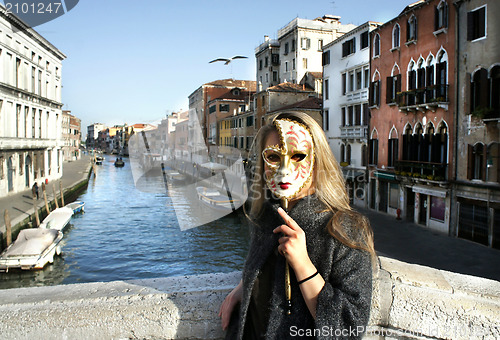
{"x": 358, "y": 131}
{"x": 423, "y": 170}
{"x": 428, "y": 96}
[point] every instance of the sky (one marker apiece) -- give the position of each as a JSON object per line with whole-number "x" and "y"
{"x": 136, "y": 61}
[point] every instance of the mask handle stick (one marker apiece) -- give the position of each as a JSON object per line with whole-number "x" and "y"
{"x": 288, "y": 286}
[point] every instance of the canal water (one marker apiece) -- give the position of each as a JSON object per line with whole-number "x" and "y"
{"x": 127, "y": 233}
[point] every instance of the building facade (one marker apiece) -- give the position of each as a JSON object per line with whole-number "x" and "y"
{"x": 346, "y": 80}
{"x": 412, "y": 105}
{"x": 297, "y": 50}
{"x": 71, "y": 131}
{"x": 30, "y": 107}
{"x": 476, "y": 203}
{"x": 93, "y": 135}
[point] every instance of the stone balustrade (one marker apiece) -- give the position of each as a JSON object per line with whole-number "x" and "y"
{"x": 409, "y": 301}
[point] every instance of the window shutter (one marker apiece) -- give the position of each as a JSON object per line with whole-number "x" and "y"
{"x": 376, "y": 151}
{"x": 398, "y": 83}
{"x": 481, "y": 22}
{"x": 353, "y": 44}
{"x": 407, "y": 31}
{"x": 470, "y": 26}
{"x": 484, "y": 88}
{"x": 436, "y": 18}
{"x": 485, "y": 163}
{"x": 378, "y": 92}
{"x": 470, "y": 161}
{"x": 388, "y": 93}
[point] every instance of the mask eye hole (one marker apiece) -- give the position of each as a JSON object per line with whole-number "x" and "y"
{"x": 272, "y": 157}
{"x": 298, "y": 157}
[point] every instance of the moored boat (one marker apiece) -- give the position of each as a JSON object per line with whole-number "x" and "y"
{"x": 57, "y": 219}
{"x": 119, "y": 162}
{"x": 215, "y": 200}
{"x": 33, "y": 249}
{"x": 76, "y": 206}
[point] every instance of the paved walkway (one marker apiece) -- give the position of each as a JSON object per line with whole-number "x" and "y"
{"x": 412, "y": 243}
{"x": 20, "y": 205}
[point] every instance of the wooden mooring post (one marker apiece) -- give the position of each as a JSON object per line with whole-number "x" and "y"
{"x": 62, "y": 193}
{"x": 44, "y": 187}
{"x": 55, "y": 195}
{"x": 35, "y": 208}
{"x": 8, "y": 227}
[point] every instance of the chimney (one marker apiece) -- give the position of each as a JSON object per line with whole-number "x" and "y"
{"x": 266, "y": 38}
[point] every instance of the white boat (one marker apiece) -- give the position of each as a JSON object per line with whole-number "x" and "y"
{"x": 33, "y": 249}
{"x": 215, "y": 200}
{"x": 76, "y": 206}
{"x": 57, "y": 219}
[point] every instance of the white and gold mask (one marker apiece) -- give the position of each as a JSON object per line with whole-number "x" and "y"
{"x": 290, "y": 164}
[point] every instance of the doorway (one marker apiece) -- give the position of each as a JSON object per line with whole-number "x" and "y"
{"x": 410, "y": 205}
{"x": 422, "y": 214}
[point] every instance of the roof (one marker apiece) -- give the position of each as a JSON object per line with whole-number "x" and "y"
{"x": 312, "y": 103}
{"x": 317, "y": 75}
{"x": 244, "y": 95}
{"x": 250, "y": 85}
{"x": 289, "y": 87}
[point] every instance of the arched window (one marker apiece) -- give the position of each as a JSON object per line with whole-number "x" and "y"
{"x": 373, "y": 146}
{"x": 393, "y": 85}
{"x": 412, "y": 81}
{"x": 418, "y": 143}
{"x": 374, "y": 96}
{"x": 392, "y": 155}
{"x": 395, "y": 36}
{"x": 442, "y": 76}
{"x": 430, "y": 92}
{"x": 441, "y": 15}
{"x": 411, "y": 29}
{"x": 348, "y": 154}
{"x": 440, "y": 144}
{"x": 364, "y": 155}
{"x": 420, "y": 81}
{"x": 342, "y": 153}
{"x": 480, "y": 90}
{"x": 493, "y": 162}
{"x": 476, "y": 167}
{"x": 407, "y": 138}
{"x": 376, "y": 45}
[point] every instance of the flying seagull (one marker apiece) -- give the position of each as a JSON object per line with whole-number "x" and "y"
{"x": 227, "y": 61}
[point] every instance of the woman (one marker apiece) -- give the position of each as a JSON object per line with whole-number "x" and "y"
{"x": 325, "y": 247}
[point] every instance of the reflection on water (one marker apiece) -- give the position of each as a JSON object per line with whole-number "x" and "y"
{"x": 127, "y": 233}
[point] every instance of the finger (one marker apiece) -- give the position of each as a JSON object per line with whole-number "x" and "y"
{"x": 283, "y": 239}
{"x": 284, "y": 229}
{"x": 288, "y": 220}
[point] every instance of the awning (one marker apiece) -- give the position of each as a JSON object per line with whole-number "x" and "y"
{"x": 385, "y": 175}
{"x": 433, "y": 191}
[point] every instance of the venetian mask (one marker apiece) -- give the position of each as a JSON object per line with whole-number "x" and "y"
{"x": 290, "y": 164}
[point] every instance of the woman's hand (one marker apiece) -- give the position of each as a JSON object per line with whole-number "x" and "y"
{"x": 226, "y": 309}
{"x": 293, "y": 243}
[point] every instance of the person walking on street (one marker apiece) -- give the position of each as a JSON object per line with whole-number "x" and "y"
{"x": 35, "y": 190}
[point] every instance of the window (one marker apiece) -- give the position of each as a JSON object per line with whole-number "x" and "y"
{"x": 392, "y": 155}
{"x": 326, "y": 89}
{"x": 351, "y": 81}
{"x": 342, "y": 153}
{"x": 267, "y": 77}
{"x": 249, "y": 121}
{"x": 364, "y": 40}
{"x": 293, "y": 45}
{"x": 375, "y": 93}
{"x": 395, "y": 36}
{"x": 373, "y": 156}
{"x": 366, "y": 78}
{"x": 495, "y": 88}
{"x": 349, "y": 47}
{"x": 357, "y": 115}
{"x": 304, "y": 63}
{"x": 493, "y": 162}
{"x": 266, "y": 61}
{"x": 348, "y": 154}
{"x": 212, "y": 109}
{"x": 286, "y": 66}
{"x": 242, "y": 141}
{"x": 393, "y": 87}
{"x": 350, "y": 115}
{"x": 320, "y": 44}
{"x": 275, "y": 76}
{"x": 343, "y": 117}
{"x": 411, "y": 29}
{"x": 344, "y": 85}
{"x": 275, "y": 59}
{"x": 441, "y": 16}
{"x": 242, "y": 108}
{"x": 438, "y": 207}
{"x": 286, "y": 49}
{"x": 260, "y": 64}
{"x": 393, "y": 195}
{"x": 358, "y": 79}
{"x": 364, "y": 155}
{"x": 476, "y": 24}
{"x": 325, "y": 59}
{"x": 476, "y": 162}
{"x": 293, "y": 64}
{"x": 305, "y": 43}
{"x": 376, "y": 45}
{"x": 479, "y": 91}
{"x": 326, "y": 120}
{"x": 223, "y": 107}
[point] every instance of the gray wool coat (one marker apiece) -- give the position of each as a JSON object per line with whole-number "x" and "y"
{"x": 343, "y": 306}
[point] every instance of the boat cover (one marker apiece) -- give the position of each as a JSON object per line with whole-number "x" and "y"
{"x": 32, "y": 242}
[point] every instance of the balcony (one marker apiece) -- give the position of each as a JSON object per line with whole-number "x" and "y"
{"x": 422, "y": 99}
{"x": 354, "y": 132}
{"x": 422, "y": 170}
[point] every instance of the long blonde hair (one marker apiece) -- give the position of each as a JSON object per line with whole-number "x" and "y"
{"x": 328, "y": 182}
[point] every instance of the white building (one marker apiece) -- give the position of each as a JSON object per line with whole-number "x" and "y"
{"x": 296, "y": 51}
{"x": 30, "y": 107}
{"x": 346, "y": 82}
{"x": 92, "y": 135}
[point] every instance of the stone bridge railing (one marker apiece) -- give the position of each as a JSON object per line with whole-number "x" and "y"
{"x": 409, "y": 301}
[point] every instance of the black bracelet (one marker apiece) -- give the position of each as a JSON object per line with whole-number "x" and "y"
{"x": 307, "y": 278}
